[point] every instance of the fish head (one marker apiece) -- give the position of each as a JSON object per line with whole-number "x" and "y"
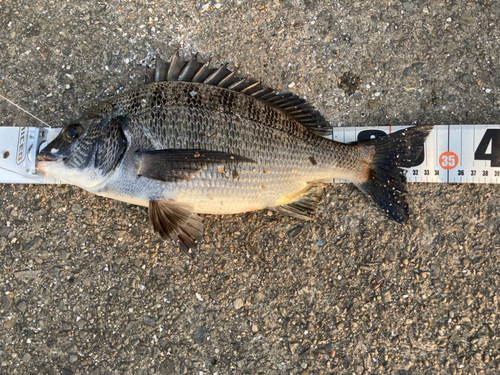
{"x": 87, "y": 150}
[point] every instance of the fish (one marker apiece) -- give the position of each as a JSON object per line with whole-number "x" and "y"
{"x": 194, "y": 139}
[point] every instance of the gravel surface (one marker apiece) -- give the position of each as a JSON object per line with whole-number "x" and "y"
{"x": 86, "y": 289}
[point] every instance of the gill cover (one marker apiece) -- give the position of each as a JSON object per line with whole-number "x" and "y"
{"x": 111, "y": 145}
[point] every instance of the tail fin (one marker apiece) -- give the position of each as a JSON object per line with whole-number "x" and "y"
{"x": 386, "y": 182}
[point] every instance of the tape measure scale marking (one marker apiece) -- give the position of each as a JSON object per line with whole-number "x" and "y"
{"x": 452, "y": 153}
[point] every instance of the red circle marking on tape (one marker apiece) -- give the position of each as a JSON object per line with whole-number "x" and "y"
{"x": 448, "y": 160}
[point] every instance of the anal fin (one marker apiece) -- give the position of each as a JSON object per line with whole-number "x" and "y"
{"x": 304, "y": 205}
{"x": 176, "y": 221}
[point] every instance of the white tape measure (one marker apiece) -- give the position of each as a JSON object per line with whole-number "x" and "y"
{"x": 452, "y": 153}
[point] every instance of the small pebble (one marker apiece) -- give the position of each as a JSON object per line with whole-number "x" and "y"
{"x": 21, "y": 306}
{"x": 238, "y": 303}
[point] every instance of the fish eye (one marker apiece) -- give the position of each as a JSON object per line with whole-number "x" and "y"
{"x": 73, "y": 131}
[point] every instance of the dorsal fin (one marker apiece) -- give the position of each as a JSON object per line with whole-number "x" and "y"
{"x": 194, "y": 71}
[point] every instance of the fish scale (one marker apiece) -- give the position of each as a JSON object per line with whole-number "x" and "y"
{"x": 183, "y": 148}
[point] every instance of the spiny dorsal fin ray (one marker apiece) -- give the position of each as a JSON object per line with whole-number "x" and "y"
{"x": 203, "y": 72}
{"x": 161, "y": 70}
{"x": 194, "y": 71}
{"x": 190, "y": 70}
{"x": 175, "y": 67}
{"x": 229, "y": 79}
{"x": 219, "y": 74}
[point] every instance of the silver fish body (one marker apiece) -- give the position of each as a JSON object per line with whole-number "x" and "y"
{"x": 200, "y": 140}
{"x": 201, "y": 117}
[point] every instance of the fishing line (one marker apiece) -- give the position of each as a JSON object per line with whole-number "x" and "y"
{"x": 15, "y": 105}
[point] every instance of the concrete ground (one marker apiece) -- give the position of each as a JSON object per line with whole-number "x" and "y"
{"x": 86, "y": 289}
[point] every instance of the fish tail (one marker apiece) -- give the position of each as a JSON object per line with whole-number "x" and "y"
{"x": 383, "y": 178}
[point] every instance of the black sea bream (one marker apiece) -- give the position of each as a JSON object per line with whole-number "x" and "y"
{"x": 195, "y": 139}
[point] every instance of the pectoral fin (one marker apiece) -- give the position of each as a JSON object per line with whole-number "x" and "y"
{"x": 176, "y": 221}
{"x": 175, "y": 164}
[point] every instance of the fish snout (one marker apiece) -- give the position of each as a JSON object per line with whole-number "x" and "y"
{"x": 46, "y": 155}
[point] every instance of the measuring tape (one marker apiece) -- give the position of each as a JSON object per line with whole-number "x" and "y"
{"x": 452, "y": 153}
{"x": 19, "y": 147}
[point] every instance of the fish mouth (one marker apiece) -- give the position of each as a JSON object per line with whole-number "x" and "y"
{"x": 46, "y": 161}
{"x": 46, "y": 156}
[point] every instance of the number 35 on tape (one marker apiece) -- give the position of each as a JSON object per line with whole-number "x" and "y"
{"x": 452, "y": 153}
